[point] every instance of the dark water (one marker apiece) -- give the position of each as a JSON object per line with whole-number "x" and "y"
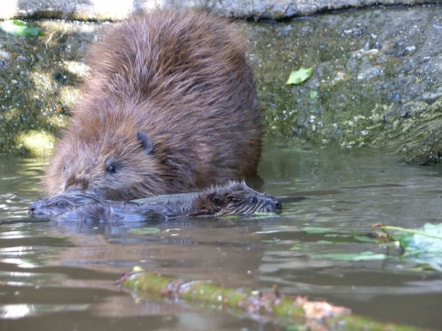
{"x": 62, "y": 276}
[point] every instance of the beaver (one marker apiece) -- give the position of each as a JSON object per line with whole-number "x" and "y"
{"x": 234, "y": 198}
{"x": 170, "y": 106}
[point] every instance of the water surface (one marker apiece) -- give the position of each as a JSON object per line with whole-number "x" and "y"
{"x": 61, "y": 276}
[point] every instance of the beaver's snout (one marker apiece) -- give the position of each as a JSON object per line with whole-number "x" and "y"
{"x": 33, "y": 209}
{"x": 273, "y": 205}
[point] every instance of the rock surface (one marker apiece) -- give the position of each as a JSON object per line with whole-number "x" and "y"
{"x": 376, "y": 79}
{"x": 115, "y": 10}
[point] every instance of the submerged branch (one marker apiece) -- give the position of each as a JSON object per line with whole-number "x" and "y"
{"x": 315, "y": 315}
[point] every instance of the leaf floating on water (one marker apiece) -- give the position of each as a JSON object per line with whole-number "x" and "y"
{"x": 426, "y": 239}
{"x": 137, "y": 269}
{"x": 144, "y": 231}
{"x": 299, "y": 76}
{"x": 317, "y": 230}
{"x": 21, "y": 28}
{"x": 422, "y": 245}
{"x": 363, "y": 256}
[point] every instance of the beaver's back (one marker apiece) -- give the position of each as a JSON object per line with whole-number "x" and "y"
{"x": 177, "y": 82}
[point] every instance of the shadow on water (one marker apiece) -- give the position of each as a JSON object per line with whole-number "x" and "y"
{"x": 55, "y": 274}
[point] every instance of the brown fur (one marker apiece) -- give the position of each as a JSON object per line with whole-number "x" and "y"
{"x": 170, "y": 107}
{"x": 235, "y": 198}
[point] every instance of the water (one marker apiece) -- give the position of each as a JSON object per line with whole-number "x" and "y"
{"x": 57, "y": 276}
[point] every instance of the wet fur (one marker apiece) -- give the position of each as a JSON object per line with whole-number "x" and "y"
{"x": 170, "y": 106}
{"x": 235, "y": 198}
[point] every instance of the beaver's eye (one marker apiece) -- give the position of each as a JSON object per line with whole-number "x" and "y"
{"x": 253, "y": 200}
{"x": 111, "y": 168}
{"x": 61, "y": 204}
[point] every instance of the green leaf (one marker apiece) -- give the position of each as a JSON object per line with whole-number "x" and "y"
{"x": 317, "y": 230}
{"x": 21, "y": 28}
{"x": 144, "y": 231}
{"x": 364, "y": 239}
{"x": 299, "y": 76}
{"x": 364, "y": 256}
{"x": 427, "y": 238}
{"x": 422, "y": 245}
{"x": 137, "y": 269}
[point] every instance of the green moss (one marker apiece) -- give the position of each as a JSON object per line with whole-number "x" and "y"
{"x": 39, "y": 83}
{"x": 35, "y": 142}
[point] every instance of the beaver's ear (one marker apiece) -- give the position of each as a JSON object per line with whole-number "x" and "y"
{"x": 145, "y": 142}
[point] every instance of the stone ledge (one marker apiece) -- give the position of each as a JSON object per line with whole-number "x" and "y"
{"x": 117, "y": 10}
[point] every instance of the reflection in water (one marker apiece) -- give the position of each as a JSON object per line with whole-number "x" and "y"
{"x": 15, "y": 311}
{"x": 25, "y": 310}
{"x": 63, "y": 274}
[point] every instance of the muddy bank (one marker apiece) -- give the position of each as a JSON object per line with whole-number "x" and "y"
{"x": 375, "y": 82}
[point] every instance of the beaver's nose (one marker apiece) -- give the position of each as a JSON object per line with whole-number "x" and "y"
{"x": 278, "y": 205}
{"x": 274, "y": 206}
{"x": 33, "y": 209}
